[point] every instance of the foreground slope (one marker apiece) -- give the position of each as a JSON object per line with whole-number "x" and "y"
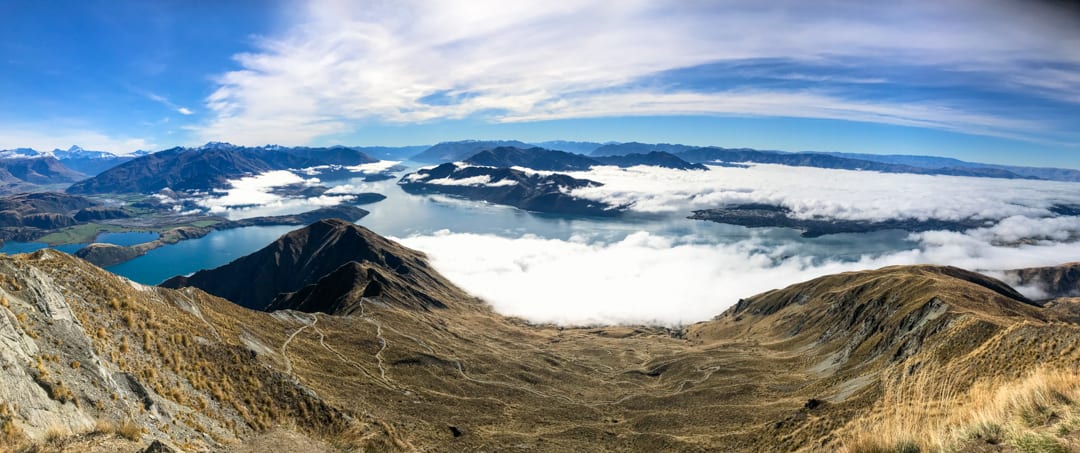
{"x": 819, "y": 366}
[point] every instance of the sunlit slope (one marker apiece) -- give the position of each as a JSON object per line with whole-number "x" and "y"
{"x": 837, "y": 362}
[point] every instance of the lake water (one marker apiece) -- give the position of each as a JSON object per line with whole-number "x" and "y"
{"x": 402, "y": 215}
{"x": 185, "y": 257}
{"x": 126, "y": 238}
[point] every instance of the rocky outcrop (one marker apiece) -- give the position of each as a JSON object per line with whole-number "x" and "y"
{"x": 83, "y": 351}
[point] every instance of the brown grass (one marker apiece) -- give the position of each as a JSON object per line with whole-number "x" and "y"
{"x": 1039, "y": 412}
{"x": 129, "y": 430}
{"x": 102, "y": 426}
{"x": 56, "y": 433}
{"x": 12, "y": 437}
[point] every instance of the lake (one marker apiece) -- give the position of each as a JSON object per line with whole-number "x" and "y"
{"x": 402, "y": 215}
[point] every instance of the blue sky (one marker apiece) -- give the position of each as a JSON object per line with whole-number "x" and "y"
{"x": 995, "y": 81}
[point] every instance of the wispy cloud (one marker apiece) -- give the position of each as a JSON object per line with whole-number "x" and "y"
{"x": 531, "y": 60}
{"x": 166, "y": 102}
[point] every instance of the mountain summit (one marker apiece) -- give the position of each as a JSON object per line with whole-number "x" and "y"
{"x": 327, "y": 267}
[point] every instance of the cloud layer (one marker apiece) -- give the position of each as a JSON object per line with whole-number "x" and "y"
{"x": 674, "y": 271}
{"x": 253, "y": 196}
{"x": 840, "y": 194}
{"x": 648, "y": 278}
{"x": 344, "y": 63}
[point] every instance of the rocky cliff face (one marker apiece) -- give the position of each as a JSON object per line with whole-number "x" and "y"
{"x": 85, "y": 352}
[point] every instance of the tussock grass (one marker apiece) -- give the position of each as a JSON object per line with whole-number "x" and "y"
{"x": 129, "y": 430}
{"x": 12, "y": 437}
{"x": 1038, "y": 412}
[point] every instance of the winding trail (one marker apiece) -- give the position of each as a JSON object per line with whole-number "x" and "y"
{"x": 322, "y": 341}
{"x": 285, "y": 346}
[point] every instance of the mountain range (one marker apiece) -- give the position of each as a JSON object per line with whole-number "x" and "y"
{"x": 537, "y": 158}
{"x": 381, "y": 353}
{"x": 210, "y": 167}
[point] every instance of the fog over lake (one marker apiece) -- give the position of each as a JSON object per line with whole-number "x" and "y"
{"x": 653, "y": 265}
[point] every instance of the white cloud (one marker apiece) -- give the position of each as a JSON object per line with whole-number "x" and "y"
{"x": 658, "y": 276}
{"x": 412, "y": 61}
{"x": 479, "y": 180}
{"x": 46, "y": 138}
{"x": 657, "y": 279}
{"x": 254, "y": 190}
{"x": 374, "y": 167}
{"x": 840, "y": 194}
{"x": 252, "y": 196}
{"x": 167, "y": 103}
{"x": 345, "y": 189}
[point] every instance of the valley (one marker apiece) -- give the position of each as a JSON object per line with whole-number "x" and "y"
{"x": 349, "y": 341}
{"x": 395, "y": 357}
{"x": 588, "y": 226}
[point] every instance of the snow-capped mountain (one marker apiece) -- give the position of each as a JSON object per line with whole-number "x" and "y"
{"x": 77, "y": 152}
{"x": 20, "y": 153}
{"x": 218, "y": 146}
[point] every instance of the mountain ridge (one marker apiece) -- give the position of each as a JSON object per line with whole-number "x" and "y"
{"x": 303, "y": 257}
{"x": 818, "y": 365}
{"x": 209, "y": 167}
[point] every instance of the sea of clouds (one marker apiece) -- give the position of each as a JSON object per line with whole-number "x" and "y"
{"x": 657, "y": 277}
{"x": 840, "y": 194}
{"x": 660, "y": 272}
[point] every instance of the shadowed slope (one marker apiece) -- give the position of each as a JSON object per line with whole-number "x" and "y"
{"x": 1052, "y": 281}
{"x": 304, "y": 256}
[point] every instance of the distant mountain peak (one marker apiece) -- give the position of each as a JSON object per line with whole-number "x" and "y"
{"x": 218, "y": 145}
{"x": 18, "y": 153}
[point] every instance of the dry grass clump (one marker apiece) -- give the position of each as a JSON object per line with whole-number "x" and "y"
{"x": 129, "y": 430}
{"x": 12, "y": 437}
{"x": 1039, "y": 412}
